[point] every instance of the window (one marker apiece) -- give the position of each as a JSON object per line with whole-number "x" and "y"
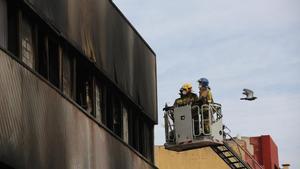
{"x": 13, "y": 15}
{"x": 84, "y": 86}
{"x": 42, "y": 60}
{"x": 99, "y": 102}
{"x": 115, "y": 112}
{"x": 141, "y": 137}
{"x": 109, "y": 108}
{"x": 13, "y": 18}
{"x": 148, "y": 140}
{"x": 125, "y": 123}
{"x": 3, "y": 24}
{"x": 67, "y": 79}
{"x": 53, "y": 49}
{"x": 135, "y": 130}
{"x": 27, "y": 51}
{"x": 117, "y": 116}
{"x": 141, "y": 133}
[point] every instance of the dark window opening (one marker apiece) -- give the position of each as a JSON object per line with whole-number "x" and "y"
{"x": 135, "y": 131}
{"x": 42, "y": 60}
{"x": 13, "y": 27}
{"x": 141, "y": 134}
{"x": 53, "y": 48}
{"x": 114, "y": 116}
{"x": 84, "y": 87}
{"x": 117, "y": 116}
{"x": 104, "y": 118}
{"x": 148, "y": 140}
{"x": 109, "y": 108}
{"x": 4, "y": 166}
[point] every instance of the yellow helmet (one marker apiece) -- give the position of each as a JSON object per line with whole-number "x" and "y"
{"x": 186, "y": 86}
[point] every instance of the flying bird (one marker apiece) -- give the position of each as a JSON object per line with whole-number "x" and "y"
{"x": 249, "y": 95}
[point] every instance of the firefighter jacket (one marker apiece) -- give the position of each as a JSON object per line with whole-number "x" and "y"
{"x": 190, "y": 98}
{"x": 205, "y": 95}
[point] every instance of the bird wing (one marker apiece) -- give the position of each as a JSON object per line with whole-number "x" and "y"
{"x": 248, "y": 93}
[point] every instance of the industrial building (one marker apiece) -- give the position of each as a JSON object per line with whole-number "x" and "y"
{"x": 78, "y": 87}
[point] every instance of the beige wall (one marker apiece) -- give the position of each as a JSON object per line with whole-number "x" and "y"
{"x": 202, "y": 158}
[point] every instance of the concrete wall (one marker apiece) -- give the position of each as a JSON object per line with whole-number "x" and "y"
{"x": 203, "y": 158}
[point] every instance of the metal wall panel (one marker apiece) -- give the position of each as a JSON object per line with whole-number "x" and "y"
{"x": 41, "y": 129}
{"x": 104, "y": 35}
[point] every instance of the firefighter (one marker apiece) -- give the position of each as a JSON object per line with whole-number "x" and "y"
{"x": 205, "y": 97}
{"x": 186, "y": 96}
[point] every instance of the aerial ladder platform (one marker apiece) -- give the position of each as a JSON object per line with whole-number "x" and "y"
{"x": 196, "y": 126}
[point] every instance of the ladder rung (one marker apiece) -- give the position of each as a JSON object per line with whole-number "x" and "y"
{"x": 242, "y": 167}
{"x": 239, "y": 166}
{"x": 234, "y": 160}
{"x": 228, "y": 154}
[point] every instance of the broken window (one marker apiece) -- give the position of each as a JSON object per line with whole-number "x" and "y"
{"x": 113, "y": 113}
{"x": 67, "y": 79}
{"x": 27, "y": 45}
{"x": 99, "y": 102}
{"x": 125, "y": 123}
{"x": 84, "y": 86}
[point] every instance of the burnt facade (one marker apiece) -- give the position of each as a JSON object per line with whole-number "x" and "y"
{"x": 78, "y": 87}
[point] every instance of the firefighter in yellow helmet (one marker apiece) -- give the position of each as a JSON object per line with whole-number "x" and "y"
{"x": 186, "y": 96}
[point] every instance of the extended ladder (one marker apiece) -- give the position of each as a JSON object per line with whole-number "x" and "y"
{"x": 230, "y": 157}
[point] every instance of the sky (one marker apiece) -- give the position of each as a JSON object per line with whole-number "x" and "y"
{"x": 236, "y": 44}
